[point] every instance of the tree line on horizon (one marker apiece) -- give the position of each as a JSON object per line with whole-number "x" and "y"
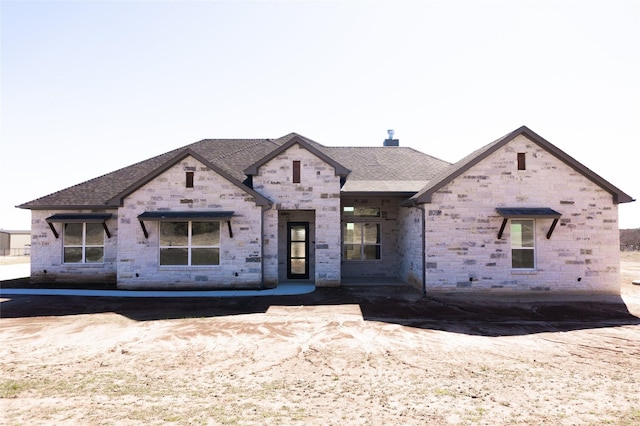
{"x": 630, "y": 239}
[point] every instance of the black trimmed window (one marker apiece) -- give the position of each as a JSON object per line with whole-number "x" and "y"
{"x": 522, "y": 161}
{"x": 360, "y": 235}
{"x": 523, "y": 248}
{"x": 189, "y": 179}
{"x": 189, "y": 243}
{"x": 361, "y": 241}
{"x": 83, "y": 242}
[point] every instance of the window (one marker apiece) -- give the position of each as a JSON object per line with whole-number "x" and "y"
{"x": 361, "y": 241}
{"x": 190, "y": 243}
{"x": 296, "y": 172}
{"x": 83, "y": 243}
{"x": 522, "y": 165}
{"x": 522, "y": 244}
{"x": 189, "y": 180}
{"x": 361, "y": 211}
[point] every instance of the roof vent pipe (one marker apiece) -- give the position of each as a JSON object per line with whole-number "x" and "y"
{"x": 390, "y": 141}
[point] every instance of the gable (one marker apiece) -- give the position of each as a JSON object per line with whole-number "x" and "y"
{"x": 119, "y": 198}
{"x": 339, "y": 169}
{"x": 462, "y": 166}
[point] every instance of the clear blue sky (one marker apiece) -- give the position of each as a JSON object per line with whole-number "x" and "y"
{"x": 90, "y": 87}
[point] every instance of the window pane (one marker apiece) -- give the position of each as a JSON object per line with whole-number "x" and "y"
{"x": 367, "y": 211}
{"x": 205, "y": 233}
{"x": 522, "y": 233}
{"x": 73, "y": 234}
{"x": 371, "y": 233}
{"x": 357, "y": 233}
{"x": 174, "y": 256}
{"x": 348, "y": 211}
{"x": 371, "y": 252}
{"x": 72, "y": 254}
{"x": 205, "y": 256}
{"x": 361, "y": 211}
{"x": 298, "y": 249}
{"x": 94, "y": 254}
{"x": 95, "y": 234}
{"x": 352, "y": 251}
{"x": 349, "y": 233}
{"x": 298, "y": 233}
{"x": 522, "y": 259}
{"x": 298, "y": 266}
{"x": 174, "y": 233}
{"x": 527, "y": 233}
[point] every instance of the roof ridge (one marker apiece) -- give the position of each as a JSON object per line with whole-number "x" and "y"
{"x": 244, "y": 148}
{"x": 394, "y": 147}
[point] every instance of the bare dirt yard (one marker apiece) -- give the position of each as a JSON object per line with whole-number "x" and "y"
{"x": 361, "y": 355}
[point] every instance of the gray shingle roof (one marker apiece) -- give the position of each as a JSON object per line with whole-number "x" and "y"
{"x": 372, "y": 170}
{"x": 387, "y": 163}
{"x": 401, "y": 169}
{"x": 230, "y": 155}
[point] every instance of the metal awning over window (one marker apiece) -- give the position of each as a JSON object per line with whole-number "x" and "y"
{"x": 79, "y": 218}
{"x": 200, "y": 216}
{"x": 528, "y": 212}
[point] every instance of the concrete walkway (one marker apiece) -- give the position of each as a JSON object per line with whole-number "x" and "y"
{"x": 15, "y": 271}
{"x": 284, "y": 289}
{"x": 12, "y": 272}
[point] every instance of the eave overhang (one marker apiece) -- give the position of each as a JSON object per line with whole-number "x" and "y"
{"x": 79, "y": 218}
{"x": 529, "y": 213}
{"x": 200, "y": 216}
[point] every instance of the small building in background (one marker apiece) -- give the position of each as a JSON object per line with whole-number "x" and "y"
{"x": 15, "y": 243}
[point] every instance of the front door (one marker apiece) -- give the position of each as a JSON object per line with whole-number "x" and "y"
{"x": 298, "y": 250}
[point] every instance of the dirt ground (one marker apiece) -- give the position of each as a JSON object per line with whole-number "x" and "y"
{"x": 362, "y": 355}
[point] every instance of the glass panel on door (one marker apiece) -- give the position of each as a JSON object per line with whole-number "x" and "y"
{"x": 298, "y": 250}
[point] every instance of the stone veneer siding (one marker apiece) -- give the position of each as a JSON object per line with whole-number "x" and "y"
{"x": 319, "y": 191}
{"x": 410, "y": 261}
{"x": 240, "y": 256}
{"x": 47, "y": 250}
{"x": 464, "y": 254}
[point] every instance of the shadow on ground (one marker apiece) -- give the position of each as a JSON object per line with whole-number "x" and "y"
{"x": 396, "y": 304}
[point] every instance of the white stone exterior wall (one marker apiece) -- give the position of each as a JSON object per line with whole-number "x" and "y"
{"x": 410, "y": 231}
{"x": 240, "y": 256}
{"x": 318, "y": 190}
{"x": 47, "y": 252}
{"x": 464, "y": 254}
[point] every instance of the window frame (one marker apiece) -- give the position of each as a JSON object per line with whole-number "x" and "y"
{"x": 190, "y": 246}
{"x": 520, "y": 247}
{"x": 362, "y": 216}
{"x": 83, "y": 245}
{"x": 363, "y": 244}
